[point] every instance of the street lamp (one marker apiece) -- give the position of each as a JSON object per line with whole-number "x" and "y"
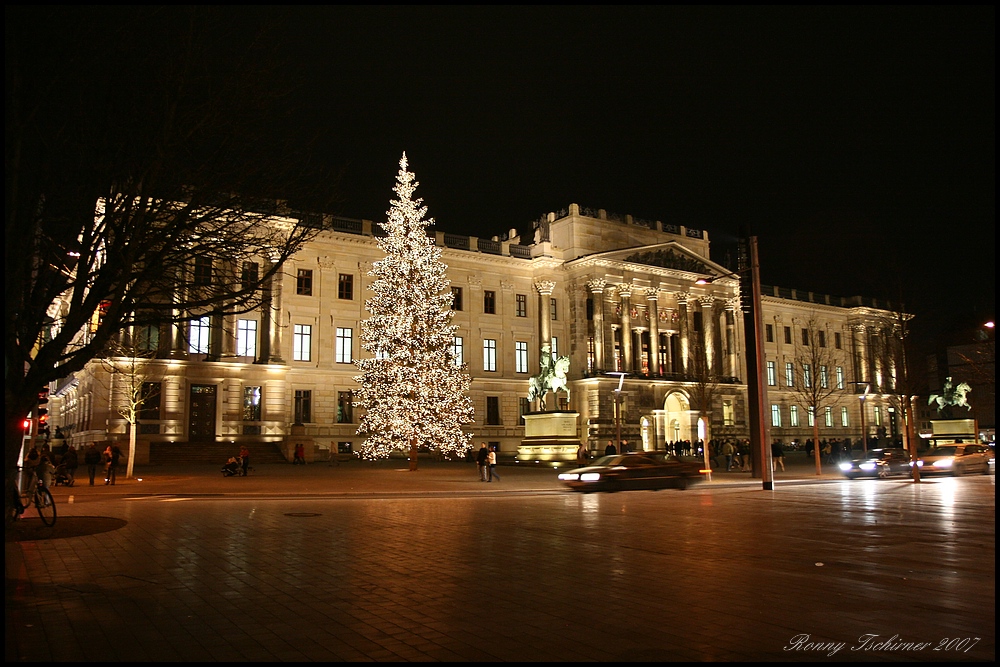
{"x": 864, "y": 432}
{"x": 618, "y": 410}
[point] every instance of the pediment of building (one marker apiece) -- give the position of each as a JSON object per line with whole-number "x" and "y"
{"x": 670, "y": 256}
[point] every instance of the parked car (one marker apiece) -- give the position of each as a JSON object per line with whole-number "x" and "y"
{"x": 626, "y": 472}
{"x": 887, "y": 462}
{"x": 957, "y": 459}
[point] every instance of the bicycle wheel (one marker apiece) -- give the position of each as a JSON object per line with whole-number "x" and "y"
{"x": 46, "y": 506}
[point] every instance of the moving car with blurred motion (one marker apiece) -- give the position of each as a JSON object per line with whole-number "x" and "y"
{"x": 957, "y": 459}
{"x": 628, "y": 472}
{"x": 888, "y": 462}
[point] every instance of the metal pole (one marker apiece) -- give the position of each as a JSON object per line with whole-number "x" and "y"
{"x": 756, "y": 387}
{"x": 864, "y": 432}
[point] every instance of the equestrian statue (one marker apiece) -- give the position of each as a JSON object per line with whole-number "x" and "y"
{"x": 551, "y": 378}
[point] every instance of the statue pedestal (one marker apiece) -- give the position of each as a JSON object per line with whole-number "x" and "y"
{"x": 550, "y": 436}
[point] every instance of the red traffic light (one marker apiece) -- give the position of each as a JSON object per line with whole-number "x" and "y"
{"x": 26, "y": 424}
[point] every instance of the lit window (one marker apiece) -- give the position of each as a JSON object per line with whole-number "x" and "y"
{"x": 345, "y": 345}
{"x": 251, "y": 404}
{"x": 302, "y": 342}
{"x": 554, "y": 348}
{"x": 878, "y": 415}
{"x": 828, "y": 416}
{"x": 772, "y": 376}
{"x": 728, "y": 416}
{"x": 520, "y": 357}
{"x": 824, "y": 380}
{"x": 807, "y": 376}
{"x": 345, "y": 413}
{"x": 790, "y": 374}
{"x": 811, "y": 414}
{"x": 793, "y": 416}
{"x": 200, "y": 329}
{"x": 246, "y": 338}
{"x": 776, "y": 416}
{"x": 844, "y": 421}
{"x": 457, "y": 350}
{"x": 489, "y": 355}
{"x": 840, "y": 377}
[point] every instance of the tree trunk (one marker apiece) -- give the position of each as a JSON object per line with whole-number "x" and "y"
{"x": 413, "y": 454}
{"x": 132, "y": 437}
{"x": 817, "y": 454}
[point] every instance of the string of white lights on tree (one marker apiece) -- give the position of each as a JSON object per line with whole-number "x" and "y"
{"x": 414, "y": 393}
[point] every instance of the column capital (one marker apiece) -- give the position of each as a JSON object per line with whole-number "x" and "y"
{"x": 706, "y": 301}
{"x": 545, "y": 287}
{"x": 625, "y": 290}
{"x": 651, "y": 293}
{"x": 597, "y": 285}
{"x": 682, "y": 297}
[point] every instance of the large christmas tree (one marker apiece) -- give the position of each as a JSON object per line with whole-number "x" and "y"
{"x": 414, "y": 393}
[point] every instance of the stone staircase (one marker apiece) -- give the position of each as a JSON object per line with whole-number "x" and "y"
{"x": 211, "y": 453}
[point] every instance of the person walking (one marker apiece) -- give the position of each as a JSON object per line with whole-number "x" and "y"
{"x": 727, "y": 451}
{"x": 491, "y": 461}
{"x": 71, "y": 462}
{"x": 300, "y": 454}
{"x": 114, "y": 455}
{"x": 777, "y": 456}
{"x": 92, "y": 459}
{"x": 482, "y": 462}
{"x": 610, "y": 449}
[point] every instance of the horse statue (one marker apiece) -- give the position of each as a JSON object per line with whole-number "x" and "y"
{"x": 951, "y": 396}
{"x": 551, "y": 378}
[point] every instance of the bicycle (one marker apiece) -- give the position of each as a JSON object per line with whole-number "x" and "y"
{"x": 23, "y": 495}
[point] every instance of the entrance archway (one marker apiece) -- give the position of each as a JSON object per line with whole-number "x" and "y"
{"x": 677, "y": 417}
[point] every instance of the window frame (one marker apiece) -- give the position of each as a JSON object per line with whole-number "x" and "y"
{"x": 302, "y": 342}
{"x": 489, "y": 355}
{"x": 304, "y": 282}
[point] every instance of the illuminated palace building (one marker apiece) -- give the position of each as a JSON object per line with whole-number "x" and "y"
{"x": 613, "y": 293}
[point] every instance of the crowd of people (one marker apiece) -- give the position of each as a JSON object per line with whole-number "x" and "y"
{"x": 60, "y": 463}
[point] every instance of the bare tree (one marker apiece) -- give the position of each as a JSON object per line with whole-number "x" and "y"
{"x": 133, "y": 383}
{"x": 892, "y": 345}
{"x": 131, "y": 142}
{"x": 813, "y": 387}
{"x": 704, "y": 389}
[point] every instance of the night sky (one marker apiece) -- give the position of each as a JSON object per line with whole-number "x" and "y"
{"x": 857, "y": 144}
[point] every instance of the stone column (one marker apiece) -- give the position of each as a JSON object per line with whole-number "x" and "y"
{"x": 276, "y": 305}
{"x": 682, "y": 324}
{"x": 732, "y": 306}
{"x": 654, "y": 331}
{"x": 861, "y": 354}
{"x": 545, "y": 288}
{"x": 625, "y": 291}
{"x": 708, "y": 322}
{"x": 597, "y": 293}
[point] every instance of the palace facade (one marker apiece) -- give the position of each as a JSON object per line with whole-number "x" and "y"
{"x": 618, "y": 295}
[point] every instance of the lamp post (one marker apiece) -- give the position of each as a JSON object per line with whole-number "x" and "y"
{"x": 753, "y": 330}
{"x": 864, "y": 431}
{"x": 618, "y": 410}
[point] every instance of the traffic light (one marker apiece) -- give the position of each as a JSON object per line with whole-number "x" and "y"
{"x": 42, "y": 412}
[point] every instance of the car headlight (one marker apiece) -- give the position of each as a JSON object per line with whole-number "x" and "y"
{"x": 569, "y": 476}
{"x": 846, "y": 466}
{"x": 868, "y": 465}
{"x": 944, "y": 463}
{"x": 590, "y": 477}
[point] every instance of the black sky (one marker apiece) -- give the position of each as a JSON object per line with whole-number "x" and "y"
{"x": 857, "y": 143}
